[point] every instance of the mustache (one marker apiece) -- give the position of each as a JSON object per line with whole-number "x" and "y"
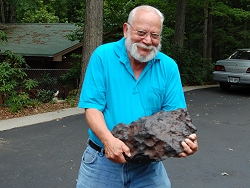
{"x": 144, "y": 46}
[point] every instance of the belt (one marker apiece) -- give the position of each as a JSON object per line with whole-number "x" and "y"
{"x": 94, "y": 146}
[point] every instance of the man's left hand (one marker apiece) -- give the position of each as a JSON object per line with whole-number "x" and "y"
{"x": 190, "y": 146}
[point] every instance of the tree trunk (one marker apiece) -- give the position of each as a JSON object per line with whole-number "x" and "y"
{"x": 180, "y": 23}
{"x": 93, "y": 33}
{"x": 210, "y": 29}
{"x": 205, "y": 31}
{"x": 2, "y": 12}
{"x": 13, "y": 13}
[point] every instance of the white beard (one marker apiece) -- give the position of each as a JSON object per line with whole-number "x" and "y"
{"x": 133, "y": 50}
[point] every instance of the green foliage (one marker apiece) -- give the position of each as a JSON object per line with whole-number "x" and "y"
{"x": 22, "y": 7}
{"x": 230, "y": 29}
{"x": 40, "y": 16}
{"x": 51, "y": 11}
{"x": 167, "y": 36}
{"x": 73, "y": 93}
{"x": 12, "y": 75}
{"x": 7, "y": 83}
{"x": 3, "y": 36}
{"x": 74, "y": 72}
{"x": 29, "y": 84}
{"x": 66, "y": 10}
{"x": 13, "y": 82}
{"x": 193, "y": 68}
{"x": 59, "y": 8}
{"x": 16, "y": 60}
{"x": 47, "y": 81}
{"x": 224, "y": 11}
{"x": 230, "y": 26}
{"x": 72, "y": 97}
{"x": 115, "y": 14}
{"x": 45, "y": 95}
{"x": 79, "y": 21}
{"x": 17, "y": 101}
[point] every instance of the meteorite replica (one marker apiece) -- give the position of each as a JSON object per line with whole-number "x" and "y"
{"x": 156, "y": 137}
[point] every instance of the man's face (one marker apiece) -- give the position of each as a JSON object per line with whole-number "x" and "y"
{"x": 133, "y": 48}
{"x": 143, "y": 40}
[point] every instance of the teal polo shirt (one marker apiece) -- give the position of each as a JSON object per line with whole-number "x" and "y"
{"x": 111, "y": 87}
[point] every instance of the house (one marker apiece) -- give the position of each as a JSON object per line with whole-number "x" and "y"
{"x": 44, "y": 45}
{"x": 47, "y": 51}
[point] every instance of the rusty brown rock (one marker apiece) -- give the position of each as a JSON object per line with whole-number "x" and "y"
{"x": 156, "y": 137}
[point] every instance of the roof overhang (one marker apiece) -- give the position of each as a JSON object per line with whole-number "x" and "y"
{"x": 59, "y": 56}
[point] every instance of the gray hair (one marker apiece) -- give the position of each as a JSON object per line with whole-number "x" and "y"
{"x": 131, "y": 16}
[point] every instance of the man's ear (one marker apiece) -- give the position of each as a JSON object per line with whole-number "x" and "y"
{"x": 125, "y": 30}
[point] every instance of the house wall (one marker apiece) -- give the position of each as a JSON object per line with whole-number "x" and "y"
{"x": 48, "y": 63}
{"x": 67, "y": 60}
{"x": 40, "y": 63}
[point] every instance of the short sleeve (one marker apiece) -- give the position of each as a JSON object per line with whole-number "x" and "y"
{"x": 93, "y": 93}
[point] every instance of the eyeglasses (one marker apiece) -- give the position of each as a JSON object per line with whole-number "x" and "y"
{"x": 142, "y": 34}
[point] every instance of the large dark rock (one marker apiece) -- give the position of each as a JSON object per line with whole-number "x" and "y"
{"x": 156, "y": 137}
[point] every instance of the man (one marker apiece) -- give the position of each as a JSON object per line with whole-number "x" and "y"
{"x": 126, "y": 80}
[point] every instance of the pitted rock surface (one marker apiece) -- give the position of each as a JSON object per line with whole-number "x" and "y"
{"x": 156, "y": 137}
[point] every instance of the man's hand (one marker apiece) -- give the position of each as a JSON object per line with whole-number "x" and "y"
{"x": 190, "y": 146}
{"x": 114, "y": 149}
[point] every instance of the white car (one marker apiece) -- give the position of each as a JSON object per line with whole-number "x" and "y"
{"x": 234, "y": 70}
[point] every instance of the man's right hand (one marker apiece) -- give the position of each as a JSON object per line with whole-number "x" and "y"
{"x": 114, "y": 149}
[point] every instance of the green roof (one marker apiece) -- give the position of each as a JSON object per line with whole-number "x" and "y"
{"x": 37, "y": 39}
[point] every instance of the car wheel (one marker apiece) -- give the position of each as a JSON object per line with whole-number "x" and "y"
{"x": 225, "y": 86}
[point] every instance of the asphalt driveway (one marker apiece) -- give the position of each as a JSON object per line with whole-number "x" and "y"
{"x": 48, "y": 154}
{"x": 223, "y": 159}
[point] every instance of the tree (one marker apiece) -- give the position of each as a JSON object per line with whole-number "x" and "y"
{"x": 40, "y": 16}
{"x": 180, "y": 23}
{"x": 207, "y": 32}
{"x": 93, "y": 32}
{"x": 14, "y": 10}
{"x": 210, "y": 32}
{"x": 17, "y": 11}
{"x": 230, "y": 27}
{"x": 2, "y": 11}
{"x": 115, "y": 14}
{"x": 195, "y": 25}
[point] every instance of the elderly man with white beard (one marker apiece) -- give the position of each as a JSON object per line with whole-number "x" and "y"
{"x": 126, "y": 80}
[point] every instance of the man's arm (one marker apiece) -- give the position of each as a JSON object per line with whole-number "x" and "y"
{"x": 114, "y": 148}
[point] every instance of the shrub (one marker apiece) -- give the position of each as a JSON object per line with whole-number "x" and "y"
{"x": 13, "y": 79}
{"x": 47, "y": 81}
{"x": 17, "y": 101}
{"x": 72, "y": 98}
{"x": 194, "y": 69}
{"x": 74, "y": 72}
{"x": 45, "y": 95}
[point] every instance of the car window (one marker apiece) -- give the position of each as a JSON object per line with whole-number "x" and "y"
{"x": 240, "y": 55}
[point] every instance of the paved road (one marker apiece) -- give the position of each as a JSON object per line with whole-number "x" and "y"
{"x": 47, "y": 155}
{"x": 223, "y": 123}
